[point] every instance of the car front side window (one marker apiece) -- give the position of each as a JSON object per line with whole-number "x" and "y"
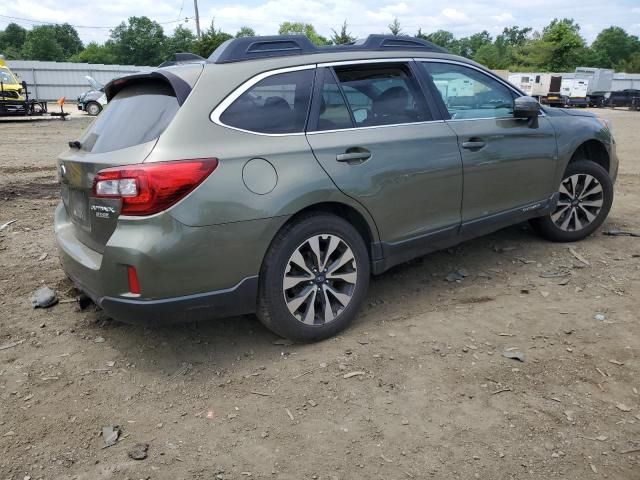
{"x": 468, "y": 93}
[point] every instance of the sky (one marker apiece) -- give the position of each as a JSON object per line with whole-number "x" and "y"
{"x": 363, "y": 16}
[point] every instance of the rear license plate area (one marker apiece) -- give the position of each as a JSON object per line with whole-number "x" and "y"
{"x": 78, "y": 207}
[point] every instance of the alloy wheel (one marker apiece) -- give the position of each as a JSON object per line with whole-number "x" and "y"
{"x": 93, "y": 109}
{"x": 320, "y": 279}
{"x": 581, "y": 199}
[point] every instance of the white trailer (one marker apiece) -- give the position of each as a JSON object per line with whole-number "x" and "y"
{"x": 533, "y": 84}
{"x": 524, "y": 81}
{"x": 574, "y": 91}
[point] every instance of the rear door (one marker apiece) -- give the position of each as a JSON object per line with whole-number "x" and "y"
{"x": 374, "y": 133}
{"x": 508, "y": 165}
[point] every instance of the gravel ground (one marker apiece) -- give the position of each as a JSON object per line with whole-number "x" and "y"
{"x": 417, "y": 388}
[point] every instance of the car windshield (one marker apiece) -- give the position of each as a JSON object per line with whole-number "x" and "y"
{"x": 6, "y": 76}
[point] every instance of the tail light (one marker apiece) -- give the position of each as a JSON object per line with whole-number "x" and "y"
{"x": 150, "y": 188}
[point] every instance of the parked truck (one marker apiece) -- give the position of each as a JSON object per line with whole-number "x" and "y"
{"x": 600, "y": 84}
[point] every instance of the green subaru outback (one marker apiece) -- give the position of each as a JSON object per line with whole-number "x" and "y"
{"x": 276, "y": 176}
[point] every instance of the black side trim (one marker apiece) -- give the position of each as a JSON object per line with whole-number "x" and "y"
{"x": 491, "y": 223}
{"x": 238, "y": 300}
{"x": 400, "y": 252}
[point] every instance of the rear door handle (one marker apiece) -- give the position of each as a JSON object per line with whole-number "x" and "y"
{"x": 354, "y": 155}
{"x": 473, "y": 144}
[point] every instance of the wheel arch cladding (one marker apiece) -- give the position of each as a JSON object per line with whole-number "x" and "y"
{"x": 348, "y": 213}
{"x": 595, "y": 151}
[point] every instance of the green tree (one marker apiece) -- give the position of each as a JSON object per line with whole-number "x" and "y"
{"x": 561, "y": 38}
{"x": 442, "y": 38}
{"x": 468, "y": 46}
{"x": 489, "y": 56}
{"x": 631, "y": 65}
{"x": 614, "y": 45}
{"x": 246, "y": 32}
{"x": 96, "y": 53}
{"x": 299, "y": 28}
{"x": 344, "y": 37}
{"x": 211, "y": 39}
{"x": 140, "y": 41}
{"x": 514, "y": 36}
{"x": 11, "y": 41}
{"x": 67, "y": 37}
{"x": 182, "y": 40}
{"x": 395, "y": 28}
{"x": 41, "y": 44}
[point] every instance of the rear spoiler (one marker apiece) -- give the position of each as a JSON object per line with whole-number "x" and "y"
{"x": 181, "y": 88}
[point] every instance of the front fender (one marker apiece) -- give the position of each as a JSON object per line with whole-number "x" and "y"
{"x": 572, "y": 131}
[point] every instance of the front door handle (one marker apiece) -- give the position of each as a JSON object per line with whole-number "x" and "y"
{"x": 473, "y": 144}
{"x": 354, "y": 155}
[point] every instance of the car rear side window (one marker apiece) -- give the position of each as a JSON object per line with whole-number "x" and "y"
{"x": 382, "y": 94}
{"x": 277, "y": 104}
{"x": 137, "y": 114}
{"x": 468, "y": 93}
{"x": 334, "y": 114}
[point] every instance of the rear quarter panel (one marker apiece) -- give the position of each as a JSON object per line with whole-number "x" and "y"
{"x": 224, "y": 197}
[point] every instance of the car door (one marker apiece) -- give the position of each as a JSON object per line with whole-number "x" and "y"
{"x": 508, "y": 163}
{"x": 372, "y": 131}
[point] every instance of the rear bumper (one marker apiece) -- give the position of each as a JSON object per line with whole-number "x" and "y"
{"x": 186, "y": 273}
{"x": 238, "y": 300}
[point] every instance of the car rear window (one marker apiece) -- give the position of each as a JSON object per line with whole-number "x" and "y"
{"x": 277, "y": 104}
{"x": 137, "y": 114}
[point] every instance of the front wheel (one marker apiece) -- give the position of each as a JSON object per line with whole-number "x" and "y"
{"x": 585, "y": 198}
{"x": 314, "y": 278}
{"x": 93, "y": 108}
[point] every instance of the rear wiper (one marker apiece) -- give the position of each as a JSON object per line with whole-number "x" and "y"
{"x": 75, "y": 144}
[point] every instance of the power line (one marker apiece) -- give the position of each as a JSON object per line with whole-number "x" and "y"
{"x": 29, "y": 20}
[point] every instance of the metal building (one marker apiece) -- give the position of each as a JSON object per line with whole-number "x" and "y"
{"x": 52, "y": 80}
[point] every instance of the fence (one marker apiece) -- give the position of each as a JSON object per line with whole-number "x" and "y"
{"x": 52, "y": 80}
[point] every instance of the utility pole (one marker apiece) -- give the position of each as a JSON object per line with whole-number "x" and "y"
{"x": 195, "y": 7}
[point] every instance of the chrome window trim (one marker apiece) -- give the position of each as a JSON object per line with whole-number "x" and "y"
{"x": 485, "y": 72}
{"x": 350, "y": 129}
{"x": 222, "y": 106}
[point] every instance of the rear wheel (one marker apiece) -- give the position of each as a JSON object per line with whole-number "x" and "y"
{"x": 314, "y": 278}
{"x": 585, "y": 198}
{"x": 93, "y": 108}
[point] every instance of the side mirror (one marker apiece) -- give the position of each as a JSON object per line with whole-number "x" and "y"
{"x": 24, "y": 85}
{"x": 526, "y": 107}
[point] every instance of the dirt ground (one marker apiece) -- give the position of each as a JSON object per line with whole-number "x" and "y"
{"x": 434, "y": 396}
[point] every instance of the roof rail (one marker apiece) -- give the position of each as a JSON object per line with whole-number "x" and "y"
{"x": 248, "y": 48}
{"x": 181, "y": 58}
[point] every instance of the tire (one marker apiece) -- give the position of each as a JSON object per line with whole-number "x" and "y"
{"x": 582, "y": 213}
{"x": 282, "y": 288}
{"x": 93, "y": 108}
